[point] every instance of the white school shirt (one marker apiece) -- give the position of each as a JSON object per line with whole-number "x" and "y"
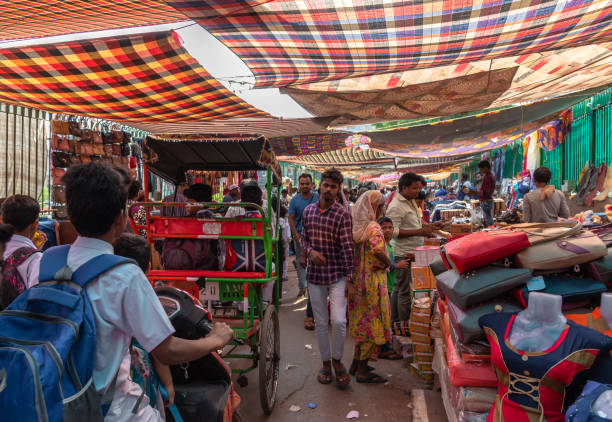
{"x": 29, "y": 267}
{"x": 125, "y": 307}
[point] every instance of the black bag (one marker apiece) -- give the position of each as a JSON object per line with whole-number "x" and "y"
{"x": 60, "y": 159}
{"x": 107, "y": 138}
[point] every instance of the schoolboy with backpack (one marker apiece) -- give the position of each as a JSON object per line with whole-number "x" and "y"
{"x": 63, "y": 341}
{"x": 21, "y": 257}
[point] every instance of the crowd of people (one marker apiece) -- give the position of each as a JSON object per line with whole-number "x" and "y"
{"x": 353, "y": 254}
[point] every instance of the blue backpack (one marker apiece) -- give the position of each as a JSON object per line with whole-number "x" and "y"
{"x": 48, "y": 344}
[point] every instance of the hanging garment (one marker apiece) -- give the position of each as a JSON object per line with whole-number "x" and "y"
{"x": 603, "y": 195}
{"x": 599, "y": 184}
{"x": 532, "y": 386}
{"x": 587, "y": 183}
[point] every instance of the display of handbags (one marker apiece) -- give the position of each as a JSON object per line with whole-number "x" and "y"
{"x": 87, "y": 135}
{"x": 465, "y": 322}
{"x": 563, "y": 253}
{"x": 97, "y": 137}
{"x": 480, "y": 285}
{"x": 98, "y": 149}
{"x": 60, "y": 127}
{"x": 116, "y": 149}
{"x": 107, "y": 138}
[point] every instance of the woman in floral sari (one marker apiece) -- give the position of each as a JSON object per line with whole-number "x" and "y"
{"x": 369, "y": 310}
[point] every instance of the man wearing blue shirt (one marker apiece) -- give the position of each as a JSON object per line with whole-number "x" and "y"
{"x": 301, "y": 200}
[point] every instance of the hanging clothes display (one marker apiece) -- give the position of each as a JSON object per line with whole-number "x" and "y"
{"x": 532, "y": 385}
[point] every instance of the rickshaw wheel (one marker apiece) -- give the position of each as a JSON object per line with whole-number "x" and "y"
{"x": 269, "y": 358}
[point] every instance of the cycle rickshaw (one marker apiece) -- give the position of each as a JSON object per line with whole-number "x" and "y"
{"x": 171, "y": 158}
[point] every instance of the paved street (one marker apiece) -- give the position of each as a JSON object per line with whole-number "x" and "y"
{"x": 298, "y": 384}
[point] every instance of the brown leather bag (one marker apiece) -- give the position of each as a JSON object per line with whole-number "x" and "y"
{"x": 75, "y": 129}
{"x": 57, "y": 174}
{"x": 108, "y": 150}
{"x": 85, "y": 158}
{"x": 97, "y": 137}
{"x": 60, "y": 127}
{"x": 98, "y": 149}
{"x": 59, "y": 194}
{"x": 117, "y": 149}
{"x": 117, "y": 136}
{"x": 86, "y": 148}
{"x": 87, "y": 135}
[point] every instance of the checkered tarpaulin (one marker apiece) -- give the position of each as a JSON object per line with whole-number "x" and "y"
{"x": 36, "y": 18}
{"x": 147, "y": 77}
{"x": 298, "y": 41}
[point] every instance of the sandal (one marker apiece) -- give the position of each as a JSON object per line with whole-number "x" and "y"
{"x": 390, "y": 355}
{"x": 353, "y": 369}
{"x": 309, "y": 324}
{"x": 372, "y": 378}
{"x": 342, "y": 378}
{"x": 324, "y": 376}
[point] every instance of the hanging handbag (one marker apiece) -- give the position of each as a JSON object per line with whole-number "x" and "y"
{"x": 60, "y": 127}
{"x": 75, "y": 129}
{"x": 59, "y": 194}
{"x": 96, "y": 158}
{"x": 85, "y": 158}
{"x": 107, "y": 159}
{"x": 127, "y": 137}
{"x": 87, "y": 135}
{"x": 74, "y": 159}
{"x": 97, "y": 149}
{"x": 480, "y": 285}
{"x": 97, "y": 137}
{"x": 116, "y": 150}
{"x": 60, "y": 159}
{"x": 108, "y": 150}
{"x": 563, "y": 253}
{"x": 55, "y": 141}
{"x": 57, "y": 175}
{"x": 125, "y": 162}
{"x": 465, "y": 322}
{"x": 116, "y": 160}
{"x": 117, "y": 136}
{"x": 107, "y": 138}
{"x": 85, "y": 148}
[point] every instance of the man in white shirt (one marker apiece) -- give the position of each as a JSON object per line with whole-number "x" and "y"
{"x": 123, "y": 301}
{"x": 21, "y": 212}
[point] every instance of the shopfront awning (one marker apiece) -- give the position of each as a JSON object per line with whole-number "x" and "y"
{"x": 145, "y": 77}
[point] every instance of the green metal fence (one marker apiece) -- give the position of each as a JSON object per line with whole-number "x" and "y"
{"x": 577, "y": 147}
{"x": 603, "y": 134}
{"x": 554, "y": 161}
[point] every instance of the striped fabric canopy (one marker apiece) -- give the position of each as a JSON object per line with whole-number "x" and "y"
{"x": 345, "y": 156}
{"x": 287, "y": 42}
{"x": 36, "y": 18}
{"x": 146, "y": 77}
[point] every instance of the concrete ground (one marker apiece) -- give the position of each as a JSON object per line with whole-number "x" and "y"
{"x": 298, "y": 384}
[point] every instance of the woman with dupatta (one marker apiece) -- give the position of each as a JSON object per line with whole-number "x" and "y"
{"x": 368, "y": 299}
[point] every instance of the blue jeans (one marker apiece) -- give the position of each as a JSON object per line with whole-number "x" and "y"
{"x": 301, "y": 271}
{"x": 487, "y": 210}
{"x": 337, "y": 312}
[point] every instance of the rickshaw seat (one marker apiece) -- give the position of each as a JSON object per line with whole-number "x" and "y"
{"x": 160, "y": 274}
{"x": 198, "y": 228}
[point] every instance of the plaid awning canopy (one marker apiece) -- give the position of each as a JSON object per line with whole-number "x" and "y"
{"x": 287, "y": 42}
{"x": 345, "y": 156}
{"x": 146, "y": 77}
{"x": 453, "y": 89}
{"x": 34, "y": 18}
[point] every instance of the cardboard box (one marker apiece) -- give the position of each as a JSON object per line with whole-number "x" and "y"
{"x": 460, "y": 229}
{"x": 423, "y": 278}
{"x": 424, "y": 255}
{"x": 420, "y": 338}
{"x": 402, "y": 346}
{"x": 432, "y": 241}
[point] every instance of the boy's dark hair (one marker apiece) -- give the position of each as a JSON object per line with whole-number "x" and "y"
{"x": 6, "y": 231}
{"x": 384, "y": 219}
{"x": 95, "y": 195}
{"x": 421, "y": 195}
{"x": 199, "y": 192}
{"x": 20, "y": 211}
{"x": 484, "y": 164}
{"x": 305, "y": 175}
{"x": 284, "y": 191}
{"x": 464, "y": 176}
{"x": 408, "y": 179}
{"x": 134, "y": 189}
{"x": 332, "y": 174}
{"x": 134, "y": 247}
{"x": 542, "y": 175}
{"x": 252, "y": 193}
{"x": 283, "y": 212}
